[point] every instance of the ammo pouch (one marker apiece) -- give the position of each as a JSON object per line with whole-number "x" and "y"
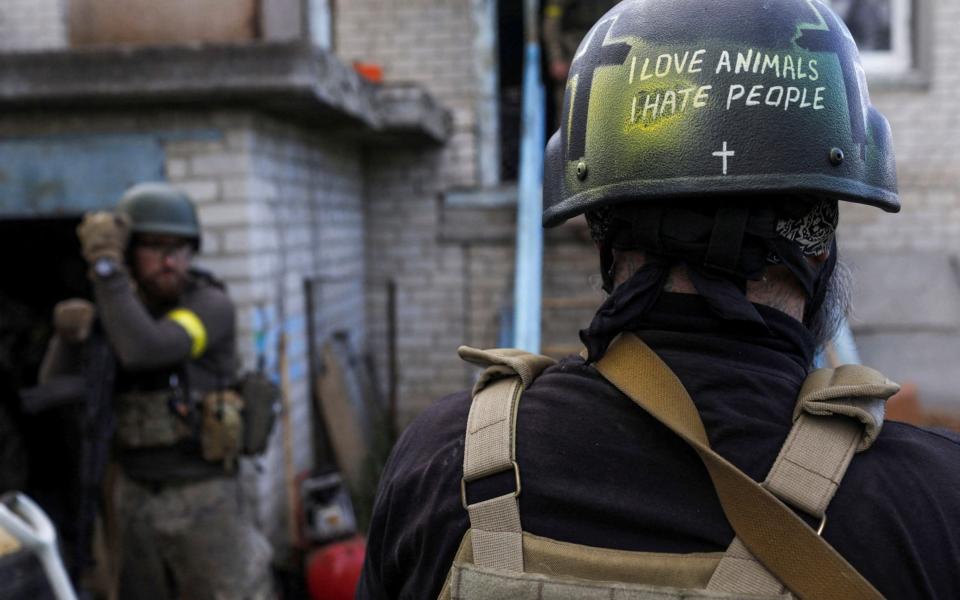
{"x": 260, "y": 406}
{"x": 221, "y": 434}
{"x": 145, "y": 420}
{"x": 238, "y": 420}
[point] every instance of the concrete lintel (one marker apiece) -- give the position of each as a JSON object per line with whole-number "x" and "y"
{"x": 492, "y": 197}
{"x": 291, "y": 79}
{"x": 408, "y": 110}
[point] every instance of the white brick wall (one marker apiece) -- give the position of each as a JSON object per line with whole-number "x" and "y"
{"x": 280, "y": 205}
{"x": 402, "y": 212}
{"x": 32, "y": 24}
{"x": 926, "y": 134}
{"x": 429, "y": 42}
{"x": 433, "y": 44}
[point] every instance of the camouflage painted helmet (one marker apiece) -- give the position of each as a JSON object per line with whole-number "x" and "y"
{"x": 160, "y": 208}
{"x": 748, "y": 98}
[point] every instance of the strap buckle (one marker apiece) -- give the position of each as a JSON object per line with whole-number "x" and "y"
{"x": 463, "y": 484}
{"x": 823, "y": 523}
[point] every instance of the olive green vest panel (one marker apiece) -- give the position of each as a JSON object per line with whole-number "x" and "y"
{"x": 551, "y": 558}
{"x": 474, "y": 583}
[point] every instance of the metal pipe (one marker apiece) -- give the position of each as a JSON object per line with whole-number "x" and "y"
{"x": 392, "y": 370}
{"x": 528, "y": 278}
{"x": 27, "y": 522}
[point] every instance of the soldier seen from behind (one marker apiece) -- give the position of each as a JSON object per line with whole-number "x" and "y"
{"x": 170, "y": 336}
{"x": 709, "y": 145}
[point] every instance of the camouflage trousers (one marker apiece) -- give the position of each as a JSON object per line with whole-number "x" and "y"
{"x": 189, "y": 541}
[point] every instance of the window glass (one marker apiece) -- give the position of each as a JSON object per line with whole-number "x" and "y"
{"x": 882, "y": 29}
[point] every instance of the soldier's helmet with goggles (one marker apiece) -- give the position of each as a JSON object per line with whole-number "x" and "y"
{"x": 752, "y": 99}
{"x": 160, "y": 208}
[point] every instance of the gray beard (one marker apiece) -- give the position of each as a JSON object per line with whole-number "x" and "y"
{"x": 826, "y": 322}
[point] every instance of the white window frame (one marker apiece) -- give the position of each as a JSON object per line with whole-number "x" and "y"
{"x": 899, "y": 59}
{"x": 320, "y": 23}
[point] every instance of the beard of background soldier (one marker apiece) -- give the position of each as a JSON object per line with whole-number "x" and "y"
{"x": 161, "y": 264}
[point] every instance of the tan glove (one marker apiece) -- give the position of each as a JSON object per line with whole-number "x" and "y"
{"x": 72, "y": 319}
{"x": 103, "y": 235}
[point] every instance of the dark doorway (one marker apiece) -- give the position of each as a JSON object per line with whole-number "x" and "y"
{"x": 510, "y": 39}
{"x": 41, "y": 266}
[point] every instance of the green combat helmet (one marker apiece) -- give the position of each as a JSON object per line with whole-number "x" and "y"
{"x": 748, "y": 98}
{"x": 160, "y": 208}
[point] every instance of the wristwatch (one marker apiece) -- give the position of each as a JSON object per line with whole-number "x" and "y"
{"x": 104, "y": 267}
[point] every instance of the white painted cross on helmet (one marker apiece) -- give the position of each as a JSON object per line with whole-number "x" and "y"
{"x": 724, "y": 154}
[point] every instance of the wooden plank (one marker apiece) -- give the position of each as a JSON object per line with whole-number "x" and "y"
{"x": 342, "y": 413}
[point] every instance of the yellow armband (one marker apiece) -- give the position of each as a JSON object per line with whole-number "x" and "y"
{"x": 192, "y": 324}
{"x": 553, "y": 11}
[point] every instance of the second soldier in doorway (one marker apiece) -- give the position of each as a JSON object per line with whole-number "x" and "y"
{"x": 182, "y": 528}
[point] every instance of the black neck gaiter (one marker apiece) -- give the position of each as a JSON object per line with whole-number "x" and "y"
{"x": 720, "y": 248}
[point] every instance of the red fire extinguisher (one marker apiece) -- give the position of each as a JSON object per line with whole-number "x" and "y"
{"x": 333, "y": 571}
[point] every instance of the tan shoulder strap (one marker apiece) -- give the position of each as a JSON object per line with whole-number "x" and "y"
{"x": 490, "y": 448}
{"x": 838, "y": 412}
{"x": 805, "y": 563}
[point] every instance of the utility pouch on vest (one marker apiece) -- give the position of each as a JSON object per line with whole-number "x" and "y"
{"x": 221, "y": 435}
{"x": 148, "y": 420}
{"x": 261, "y": 399}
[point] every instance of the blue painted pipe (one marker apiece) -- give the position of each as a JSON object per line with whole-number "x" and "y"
{"x": 528, "y": 278}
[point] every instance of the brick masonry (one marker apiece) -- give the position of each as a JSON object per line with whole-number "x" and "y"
{"x": 427, "y": 41}
{"x": 32, "y": 25}
{"x": 926, "y": 133}
{"x": 905, "y": 265}
{"x": 450, "y": 291}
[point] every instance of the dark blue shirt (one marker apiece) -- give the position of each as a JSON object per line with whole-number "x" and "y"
{"x": 597, "y": 470}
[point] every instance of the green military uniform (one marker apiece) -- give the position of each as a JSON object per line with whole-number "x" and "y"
{"x": 182, "y": 529}
{"x": 177, "y": 510}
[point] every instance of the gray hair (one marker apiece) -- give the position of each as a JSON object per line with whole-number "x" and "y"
{"x": 826, "y": 322}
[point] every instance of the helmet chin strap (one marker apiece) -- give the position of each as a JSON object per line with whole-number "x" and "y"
{"x": 821, "y": 284}
{"x": 607, "y": 266}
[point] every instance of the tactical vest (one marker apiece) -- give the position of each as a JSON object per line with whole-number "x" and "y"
{"x": 775, "y": 554}
{"x": 150, "y": 416}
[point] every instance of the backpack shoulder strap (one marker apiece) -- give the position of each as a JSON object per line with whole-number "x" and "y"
{"x": 838, "y": 412}
{"x": 807, "y": 564}
{"x": 490, "y": 448}
{"x": 505, "y": 362}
